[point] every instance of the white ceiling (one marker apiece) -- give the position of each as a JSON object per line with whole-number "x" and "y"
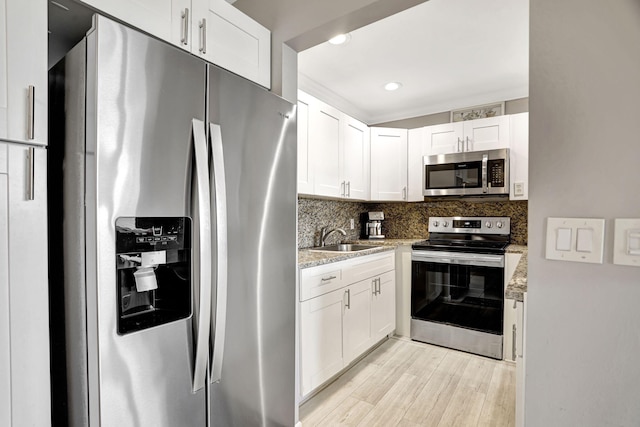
{"x": 447, "y": 54}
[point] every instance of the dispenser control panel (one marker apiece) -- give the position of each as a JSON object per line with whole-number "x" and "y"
{"x": 153, "y": 267}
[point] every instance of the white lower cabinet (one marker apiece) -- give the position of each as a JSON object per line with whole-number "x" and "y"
{"x": 356, "y": 332}
{"x": 383, "y": 305}
{"x": 320, "y": 339}
{"x": 24, "y": 302}
{"x": 515, "y": 336}
{"x": 521, "y": 349}
{"x": 345, "y": 308}
{"x": 509, "y": 324}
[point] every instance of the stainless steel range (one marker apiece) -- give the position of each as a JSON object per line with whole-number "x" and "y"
{"x": 457, "y": 284}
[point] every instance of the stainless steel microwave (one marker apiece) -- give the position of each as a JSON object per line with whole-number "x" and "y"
{"x": 472, "y": 173}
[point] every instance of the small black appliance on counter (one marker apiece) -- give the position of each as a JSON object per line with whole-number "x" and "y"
{"x": 372, "y": 225}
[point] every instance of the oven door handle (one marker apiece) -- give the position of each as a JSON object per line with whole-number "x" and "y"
{"x": 459, "y": 259}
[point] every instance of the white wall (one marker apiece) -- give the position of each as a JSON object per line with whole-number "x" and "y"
{"x": 583, "y": 348}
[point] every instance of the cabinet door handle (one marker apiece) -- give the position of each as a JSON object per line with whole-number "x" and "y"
{"x": 326, "y": 279}
{"x": 348, "y": 304}
{"x": 467, "y": 149}
{"x": 31, "y": 113}
{"x": 404, "y": 193}
{"x": 185, "y": 27}
{"x": 342, "y": 188}
{"x": 458, "y": 146}
{"x": 348, "y": 188}
{"x": 203, "y": 36}
{"x": 513, "y": 342}
{"x": 31, "y": 174}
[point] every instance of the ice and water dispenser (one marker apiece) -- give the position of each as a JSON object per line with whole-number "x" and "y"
{"x": 153, "y": 261}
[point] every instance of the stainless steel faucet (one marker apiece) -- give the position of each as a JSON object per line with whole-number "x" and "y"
{"x": 324, "y": 234}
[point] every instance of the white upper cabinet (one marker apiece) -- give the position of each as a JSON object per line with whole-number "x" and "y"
{"x": 305, "y": 162}
{"x": 355, "y": 159}
{"x": 519, "y": 157}
{"x": 389, "y": 164}
{"x": 229, "y": 38}
{"x": 325, "y": 125}
{"x": 211, "y": 29}
{"x": 471, "y": 135}
{"x": 333, "y": 151}
{"x": 152, "y": 16}
{"x": 23, "y": 71}
{"x": 419, "y": 143}
{"x": 486, "y": 134}
{"x": 443, "y": 139}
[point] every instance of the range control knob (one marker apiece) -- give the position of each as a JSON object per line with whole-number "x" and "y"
{"x": 488, "y": 224}
{"x": 435, "y": 223}
{"x": 499, "y": 224}
{"x": 445, "y": 223}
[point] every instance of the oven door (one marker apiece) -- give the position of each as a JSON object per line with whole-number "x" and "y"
{"x": 459, "y": 289}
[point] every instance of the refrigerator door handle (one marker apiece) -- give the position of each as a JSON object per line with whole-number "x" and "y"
{"x": 219, "y": 321}
{"x": 203, "y": 211}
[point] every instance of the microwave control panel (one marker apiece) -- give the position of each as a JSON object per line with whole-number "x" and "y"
{"x": 496, "y": 173}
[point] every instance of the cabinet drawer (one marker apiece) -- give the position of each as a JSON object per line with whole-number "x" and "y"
{"x": 373, "y": 265}
{"x": 320, "y": 280}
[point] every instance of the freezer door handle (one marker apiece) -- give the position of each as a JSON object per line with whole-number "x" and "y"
{"x": 202, "y": 220}
{"x": 219, "y": 199}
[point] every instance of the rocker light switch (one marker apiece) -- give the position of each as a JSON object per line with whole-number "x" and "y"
{"x": 563, "y": 239}
{"x": 585, "y": 240}
{"x": 575, "y": 239}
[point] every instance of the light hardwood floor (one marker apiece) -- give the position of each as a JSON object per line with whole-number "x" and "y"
{"x": 407, "y": 384}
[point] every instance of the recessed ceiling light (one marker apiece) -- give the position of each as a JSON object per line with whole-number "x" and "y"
{"x": 391, "y": 86}
{"x": 340, "y": 39}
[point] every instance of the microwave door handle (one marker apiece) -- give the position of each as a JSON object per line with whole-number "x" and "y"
{"x": 485, "y": 160}
{"x": 202, "y": 236}
{"x": 219, "y": 321}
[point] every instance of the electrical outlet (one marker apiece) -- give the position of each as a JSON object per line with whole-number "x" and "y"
{"x": 352, "y": 224}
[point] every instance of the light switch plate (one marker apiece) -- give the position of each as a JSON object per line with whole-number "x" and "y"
{"x": 518, "y": 188}
{"x": 626, "y": 242}
{"x": 585, "y": 238}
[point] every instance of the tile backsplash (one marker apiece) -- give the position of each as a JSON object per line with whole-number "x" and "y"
{"x": 402, "y": 220}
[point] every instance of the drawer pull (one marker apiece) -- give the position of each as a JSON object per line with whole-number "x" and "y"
{"x": 31, "y": 113}
{"x": 326, "y": 279}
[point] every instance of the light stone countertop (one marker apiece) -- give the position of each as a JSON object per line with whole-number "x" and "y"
{"x": 308, "y": 258}
{"x": 518, "y": 284}
{"x": 515, "y": 289}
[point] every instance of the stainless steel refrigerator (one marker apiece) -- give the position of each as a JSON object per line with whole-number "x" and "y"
{"x": 174, "y": 220}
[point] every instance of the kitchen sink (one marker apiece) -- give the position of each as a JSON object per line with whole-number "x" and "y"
{"x": 344, "y": 247}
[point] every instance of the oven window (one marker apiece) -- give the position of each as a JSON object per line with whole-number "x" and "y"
{"x": 462, "y": 295}
{"x": 466, "y": 175}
